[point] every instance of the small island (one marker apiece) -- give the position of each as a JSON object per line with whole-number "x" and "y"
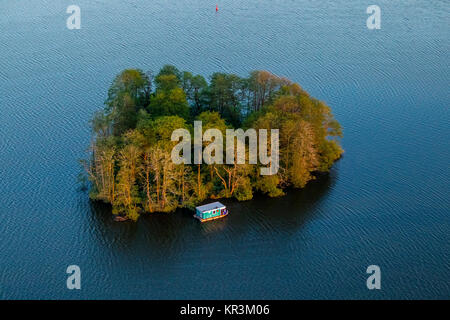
{"x": 129, "y": 164}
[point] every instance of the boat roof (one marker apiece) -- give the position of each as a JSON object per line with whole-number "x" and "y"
{"x": 210, "y": 206}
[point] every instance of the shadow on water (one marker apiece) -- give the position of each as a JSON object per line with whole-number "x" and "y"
{"x": 165, "y": 235}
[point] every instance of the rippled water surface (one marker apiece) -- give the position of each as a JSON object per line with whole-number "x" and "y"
{"x": 386, "y": 202}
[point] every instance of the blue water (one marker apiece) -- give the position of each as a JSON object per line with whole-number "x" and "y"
{"x": 386, "y": 202}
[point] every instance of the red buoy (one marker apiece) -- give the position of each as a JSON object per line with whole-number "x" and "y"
{"x": 217, "y": 7}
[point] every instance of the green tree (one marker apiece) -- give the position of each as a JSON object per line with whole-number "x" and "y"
{"x": 196, "y": 89}
{"x": 166, "y": 83}
{"x": 263, "y": 86}
{"x": 125, "y": 97}
{"x": 167, "y": 103}
{"x": 130, "y": 163}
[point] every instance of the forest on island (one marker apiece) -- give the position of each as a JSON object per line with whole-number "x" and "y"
{"x": 129, "y": 163}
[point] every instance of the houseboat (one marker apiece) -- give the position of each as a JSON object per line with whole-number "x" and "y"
{"x": 210, "y": 211}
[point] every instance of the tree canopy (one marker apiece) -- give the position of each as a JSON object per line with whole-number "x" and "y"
{"x": 130, "y": 166}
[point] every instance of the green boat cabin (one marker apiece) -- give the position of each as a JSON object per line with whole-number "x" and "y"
{"x": 210, "y": 211}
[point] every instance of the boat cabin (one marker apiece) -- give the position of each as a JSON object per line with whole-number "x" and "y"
{"x": 210, "y": 211}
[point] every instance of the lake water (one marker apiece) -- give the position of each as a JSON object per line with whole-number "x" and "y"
{"x": 386, "y": 202}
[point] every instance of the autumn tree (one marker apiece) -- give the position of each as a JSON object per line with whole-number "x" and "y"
{"x": 130, "y": 161}
{"x": 101, "y": 170}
